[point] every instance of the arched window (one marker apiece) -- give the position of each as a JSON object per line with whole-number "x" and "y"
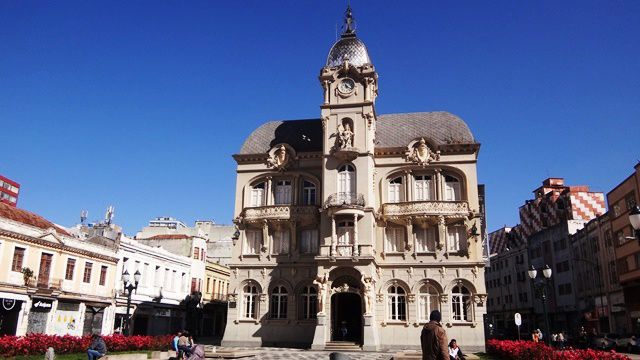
{"x": 428, "y": 300}
{"x": 395, "y": 190}
{"x": 397, "y": 302}
{"x": 308, "y": 193}
{"x": 309, "y": 302}
{"x": 250, "y": 301}
{"x": 451, "y": 188}
{"x": 423, "y": 188}
{"x": 347, "y": 179}
{"x": 257, "y": 194}
{"x": 283, "y": 192}
{"x": 279, "y": 303}
{"x": 461, "y": 303}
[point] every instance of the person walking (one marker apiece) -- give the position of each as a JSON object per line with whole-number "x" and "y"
{"x": 97, "y": 349}
{"x": 433, "y": 339}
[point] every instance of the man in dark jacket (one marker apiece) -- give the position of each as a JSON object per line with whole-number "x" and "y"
{"x": 434, "y": 339}
{"x": 97, "y": 349}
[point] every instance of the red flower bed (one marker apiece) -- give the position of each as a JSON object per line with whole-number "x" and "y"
{"x": 37, "y": 344}
{"x": 528, "y": 350}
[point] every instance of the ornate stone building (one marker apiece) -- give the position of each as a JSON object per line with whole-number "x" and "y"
{"x": 354, "y": 226}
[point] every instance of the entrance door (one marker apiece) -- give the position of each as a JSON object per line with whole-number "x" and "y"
{"x": 346, "y": 317}
{"x": 45, "y": 268}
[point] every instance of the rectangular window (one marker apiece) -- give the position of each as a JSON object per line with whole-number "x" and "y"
{"x": 196, "y": 253}
{"x": 309, "y": 241}
{"x": 630, "y": 201}
{"x": 345, "y": 233}
{"x": 18, "y": 258}
{"x": 194, "y": 284}
{"x": 45, "y": 269}
{"x": 208, "y": 285}
{"x": 281, "y": 242}
{"x": 71, "y": 265}
{"x": 158, "y": 277}
{"x": 456, "y": 238}
{"x": 103, "y": 275}
{"x": 253, "y": 242}
{"x": 87, "y": 272}
{"x": 621, "y": 238}
{"x": 395, "y": 240}
{"x": 283, "y": 192}
{"x": 202, "y": 257}
{"x": 423, "y": 189}
{"x": 395, "y": 190}
{"x": 308, "y": 193}
{"x": 257, "y": 195}
{"x": 426, "y": 239}
{"x": 451, "y": 189}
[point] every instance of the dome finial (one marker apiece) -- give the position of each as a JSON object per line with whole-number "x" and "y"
{"x": 349, "y": 23}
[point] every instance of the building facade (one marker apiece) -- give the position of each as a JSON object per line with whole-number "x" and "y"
{"x": 9, "y": 190}
{"x": 627, "y": 249}
{"x": 354, "y": 226}
{"x": 214, "y": 313}
{"x": 50, "y": 281}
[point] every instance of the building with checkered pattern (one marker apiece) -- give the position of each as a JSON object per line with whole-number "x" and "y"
{"x": 353, "y": 227}
{"x": 542, "y": 238}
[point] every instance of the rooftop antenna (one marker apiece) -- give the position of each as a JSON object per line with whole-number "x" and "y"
{"x": 83, "y": 216}
{"x": 108, "y": 217}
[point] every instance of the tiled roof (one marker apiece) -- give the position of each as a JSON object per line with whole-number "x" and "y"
{"x": 168, "y": 236}
{"x": 28, "y": 218}
{"x": 393, "y": 130}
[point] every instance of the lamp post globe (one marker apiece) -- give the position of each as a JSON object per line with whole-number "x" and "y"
{"x": 532, "y": 272}
{"x": 634, "y": 219}
{"x": 547, "y": 272}
{"x": 125, "y": 277}
{"x": 137, "y": 276}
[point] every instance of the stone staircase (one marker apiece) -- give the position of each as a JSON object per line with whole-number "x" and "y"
{"x": 342, "y": 346}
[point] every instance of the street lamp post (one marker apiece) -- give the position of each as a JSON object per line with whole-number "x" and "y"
{"x": 129, "y": 288}
{"x": 542, "y": 285}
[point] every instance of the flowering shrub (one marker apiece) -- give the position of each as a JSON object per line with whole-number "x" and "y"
{"x": 528, "y": 350}
{"x": 37, "y": 344}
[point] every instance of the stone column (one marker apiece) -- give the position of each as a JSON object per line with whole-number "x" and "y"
{"x": 295, "y": 188}
{"x": 269, "y": 191}
{"x": 334, "y": 239}
{"x": 293, "y": 247}
{"x": 355, "y": 235}
{"x": 442, "y": 233}
{"x": 411, "y": 239}
{"x": 266, "y": 239}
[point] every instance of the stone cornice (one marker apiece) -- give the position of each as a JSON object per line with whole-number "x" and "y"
{"x": 263, "y": 157}
{"x": 57, "y": 246}
{"x": 445, "y": 149}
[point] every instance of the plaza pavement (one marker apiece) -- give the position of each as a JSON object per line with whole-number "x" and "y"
{"x": 269, "y": 353}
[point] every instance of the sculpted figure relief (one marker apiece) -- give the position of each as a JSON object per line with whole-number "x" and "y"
{"x": 420, "y": 153}
{"x": 321, "y": 283}
{"x": 367, "y": 293}
{"x": 279, "y": 159}
{"x": 344, "y": 136}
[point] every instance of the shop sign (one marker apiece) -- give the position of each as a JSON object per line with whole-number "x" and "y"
{"x": 8, "y": 304}
{"x": 41, "y": 305}
{"x": 163, "y": 312}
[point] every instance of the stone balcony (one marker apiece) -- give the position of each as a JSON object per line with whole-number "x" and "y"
{"x": 343, "y": 203}
{"x": 303, "y": 213}
{"x": 391, "y": 211}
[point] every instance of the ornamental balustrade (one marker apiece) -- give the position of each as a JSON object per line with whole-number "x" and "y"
{"x": 425, "y": 208}
{"x": 280, "y": 212}
{"x": 344, "y": 199}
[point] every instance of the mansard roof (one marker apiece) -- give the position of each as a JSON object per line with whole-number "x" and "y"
{"x": 392, "y": 130}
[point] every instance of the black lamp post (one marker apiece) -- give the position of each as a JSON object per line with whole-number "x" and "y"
{"x": 542, "y": 286}
{"x": 634, "y": 219}
{"x": 129, "y": 288}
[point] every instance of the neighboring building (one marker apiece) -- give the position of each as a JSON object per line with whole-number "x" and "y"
{"x": 356, "y": 220}
{"x": 546, "y": 223}
{"x": 621, "y": 199}
{"x": 508, "y": 284}
{"x": 214, "y": 314}
{"x": 599, "y": 297}
{"x": 71, "y": 291}
{"x": 218, "y": 237}
{"x": 9, "y": 190}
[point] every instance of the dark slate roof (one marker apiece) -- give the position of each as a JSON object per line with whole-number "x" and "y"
{"x": 393, "y": 130}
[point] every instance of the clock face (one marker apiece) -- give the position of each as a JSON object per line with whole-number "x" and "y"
{"x": 346, "y": 86}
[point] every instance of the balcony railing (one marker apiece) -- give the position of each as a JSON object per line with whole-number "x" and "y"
{"x": 424, "y": 208}
{"x": 53, "y": 284}
{"x": 344, "y": 199}
{"x": 280, "y": 212}
{"x": 218, "y": 297}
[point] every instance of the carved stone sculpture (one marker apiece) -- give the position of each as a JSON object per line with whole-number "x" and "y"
{"x": 321, "y": 283}
{"x": 367, "y": 293}
{"x": 279, "y": 158}
{"x": 419, "y": 152}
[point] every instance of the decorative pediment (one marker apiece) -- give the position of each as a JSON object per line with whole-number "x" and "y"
{"x": 418, "y": 152}
{"x": 281, "y": 157}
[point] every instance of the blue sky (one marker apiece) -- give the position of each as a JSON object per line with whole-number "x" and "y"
{"x": 140, "y": 104}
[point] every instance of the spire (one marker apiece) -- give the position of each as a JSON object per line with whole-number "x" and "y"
{"x": 349, "y": 23}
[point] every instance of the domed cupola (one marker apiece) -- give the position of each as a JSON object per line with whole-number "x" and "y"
{"x": 349, "y": 47}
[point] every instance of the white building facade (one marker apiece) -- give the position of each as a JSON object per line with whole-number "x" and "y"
{"x": 355, "y": 226}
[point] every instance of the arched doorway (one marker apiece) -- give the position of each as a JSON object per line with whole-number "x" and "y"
{"x": 346, "y": 317}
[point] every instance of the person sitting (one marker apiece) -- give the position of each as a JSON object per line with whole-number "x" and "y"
{"x": 183, "y": 345}
{"x": 97, "y": 349}
{"x": 454, "y": 351}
